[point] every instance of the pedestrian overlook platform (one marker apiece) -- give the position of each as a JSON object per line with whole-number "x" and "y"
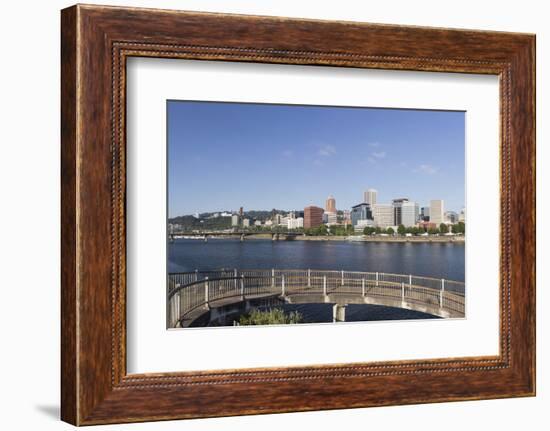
{"x": 192, "y": 294}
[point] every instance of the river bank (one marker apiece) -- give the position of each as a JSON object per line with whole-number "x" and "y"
{"x": 399, "y": 239}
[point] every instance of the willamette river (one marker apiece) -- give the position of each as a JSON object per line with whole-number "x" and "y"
{"x": 440, "y": 260}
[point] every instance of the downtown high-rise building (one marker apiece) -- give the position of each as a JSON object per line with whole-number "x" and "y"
{"x": 370, "y": 196}
{"x": 313, "y": 217}
{"x": 360, "y": 212}
{"x": 405, "y": 212}
{"x": 425, "y": 213}
{"x": 330, "y": 217}
{"x": 437, "y": 211}
{"x": 383, "y": 215}
{"x": 330, "y": 206}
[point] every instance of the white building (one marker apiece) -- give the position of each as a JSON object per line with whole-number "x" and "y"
{"x": 405, "y": 212}
{"x": 383, "y": 215}
{"x": 257, "y": 223}
{"x": 437, "y": 211}
{"x": 246, "y": 222}
{"x": 295, "y": 223}
{"x": 234, "y": 220}
{"x": 451, "y": 217}
{"x": 331, "y": 218}
{"x": 409, "y": 214}
{"x": 268, "y": 223}
{"x": 370, "y": 196}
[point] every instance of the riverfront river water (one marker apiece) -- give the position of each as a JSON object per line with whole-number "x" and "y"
{"x": 439, "y": 260}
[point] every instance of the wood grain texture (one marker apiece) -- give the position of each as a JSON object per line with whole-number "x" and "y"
{"x": 96, "y": 41}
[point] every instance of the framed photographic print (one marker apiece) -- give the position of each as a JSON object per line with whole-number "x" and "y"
{"x": 287, "y": 207}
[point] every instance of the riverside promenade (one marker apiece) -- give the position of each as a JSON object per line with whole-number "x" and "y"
{"x": 191, "y": 295}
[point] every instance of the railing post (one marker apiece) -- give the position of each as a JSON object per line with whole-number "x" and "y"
{"x": 441, "y": 293}
{"x": 242, "y": 287}
{"x": 273, "y": 278}
{"x": 196, "y": 275}
{"x": 206, "y": 297}
{"x": 342, "y": 278}
{"x": 402, "y": 291}
{"x": 283, "y": 285}
{"x": 363, "y": 287}
{"x": 377, "y": 279}
{"x": 235, "y": 275}
{"x": 325, "y": 285}
{"x": 309, "y": 278}
{"x": 410, "y": 282}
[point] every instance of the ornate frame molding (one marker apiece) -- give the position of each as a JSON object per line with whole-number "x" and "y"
{"x": 96, "y": 41}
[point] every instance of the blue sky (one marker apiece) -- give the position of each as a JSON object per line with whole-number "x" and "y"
{"x": 225, "y": 155}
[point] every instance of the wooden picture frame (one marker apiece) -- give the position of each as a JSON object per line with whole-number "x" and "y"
{"x": 95, "y": 43}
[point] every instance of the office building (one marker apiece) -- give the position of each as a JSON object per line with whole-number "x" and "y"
{"x": 234, "y": 220}
{"x": 330, "y": 206}
{"x": 347, "y": 217}
{"x": 361, "y": 211}
{"x": 397, "y": 210}
{"x": 331, "y": 218}
{"x": 437, "y": 211}
{"x": 370, "y": 196}
{"x": 383, "y": 215}
{"x": 405, "y": 212}
{"x": 451, "y": 217}
{"x": 425, "y": 214}
{"x": 246, "y": 222}
{"x": 313, "y": 216}
{"x": 277, "y": 219}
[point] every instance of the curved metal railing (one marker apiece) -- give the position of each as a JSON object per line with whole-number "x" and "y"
{"x": 189, "y": 291}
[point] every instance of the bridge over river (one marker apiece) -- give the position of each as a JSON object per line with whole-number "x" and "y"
{"x": 191, "y": 295}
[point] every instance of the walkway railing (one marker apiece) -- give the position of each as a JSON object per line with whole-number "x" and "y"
{"x": 189, "y": 291}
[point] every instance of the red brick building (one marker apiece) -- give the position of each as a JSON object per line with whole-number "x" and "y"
{"x": 313, "y": 216}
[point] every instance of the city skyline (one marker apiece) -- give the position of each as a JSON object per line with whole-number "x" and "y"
{"x": 225, "y": 155}
{"x": 242, "y": 210}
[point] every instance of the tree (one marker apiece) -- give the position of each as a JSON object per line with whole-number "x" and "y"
{"x": 401, "y": 230}
{"x": 433, "y": 231}
{"x": 369, "y": 230}
{"x": 390, "y": 231}
{"x": 443, "y": 228}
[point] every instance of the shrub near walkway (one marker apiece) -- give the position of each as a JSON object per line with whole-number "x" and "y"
{"x": 274, "y": 316}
